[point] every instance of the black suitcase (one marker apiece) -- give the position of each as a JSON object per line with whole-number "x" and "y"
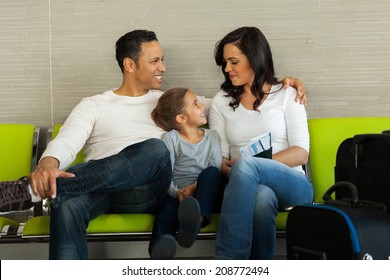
{"x": 339, "y": 229}
{"x": 364, "y": 160}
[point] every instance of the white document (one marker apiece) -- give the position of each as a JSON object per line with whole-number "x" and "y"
{"x": 257, "y": 145}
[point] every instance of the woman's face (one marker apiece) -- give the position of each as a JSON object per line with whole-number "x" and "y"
{"x": 237, "y": 66}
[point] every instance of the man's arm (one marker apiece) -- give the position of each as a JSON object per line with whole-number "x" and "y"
{"x": 61, "y": 152}
{"x": 43, "y": 179}
{"x": 299, "y": 86}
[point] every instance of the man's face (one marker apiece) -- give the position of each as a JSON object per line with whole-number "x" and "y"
{"x": 150, "y": 69}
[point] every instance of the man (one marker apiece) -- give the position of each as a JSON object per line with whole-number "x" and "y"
{"x": 127, "y": 168}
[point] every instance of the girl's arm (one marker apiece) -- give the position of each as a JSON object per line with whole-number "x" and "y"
{"x": 215, "y": 148}
{"x": 167, "y": 139}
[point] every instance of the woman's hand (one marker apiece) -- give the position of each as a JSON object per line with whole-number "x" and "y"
{"x": 299, "y": 86}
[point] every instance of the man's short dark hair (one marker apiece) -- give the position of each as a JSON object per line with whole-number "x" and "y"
{"x": 129, "y": 45}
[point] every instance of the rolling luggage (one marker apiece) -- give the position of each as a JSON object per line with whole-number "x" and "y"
{"x": 339, "y": 229}
{"x": 364, "y": 160}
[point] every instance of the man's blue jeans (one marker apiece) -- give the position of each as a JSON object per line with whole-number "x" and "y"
{"x": 257, "y": 189}
{"x": 135, "y": 180}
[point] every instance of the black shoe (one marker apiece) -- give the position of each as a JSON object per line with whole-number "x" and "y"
{"x": 14, "y": 195}
{"x": 164, "y": 249}
{"x": 189, "y": 222}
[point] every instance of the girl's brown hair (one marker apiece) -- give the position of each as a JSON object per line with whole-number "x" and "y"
{"x": 169, "y": 105}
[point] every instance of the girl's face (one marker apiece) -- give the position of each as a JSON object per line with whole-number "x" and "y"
{"x": 237, "y": 66}
{"x": 194, "y": 114}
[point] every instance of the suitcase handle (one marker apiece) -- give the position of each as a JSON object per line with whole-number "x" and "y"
{"x": 352, "y": 201}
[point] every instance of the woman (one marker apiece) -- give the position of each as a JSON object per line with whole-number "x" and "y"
{"x": 251, "y": 102}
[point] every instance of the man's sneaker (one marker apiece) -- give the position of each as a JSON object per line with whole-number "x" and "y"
{"x": 14, "y": 195}
{"x": 189, "y": 222}
{"x": 164, "y": 249}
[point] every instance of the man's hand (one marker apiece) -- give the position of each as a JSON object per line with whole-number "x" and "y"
{"x": 43, "y": 178}
{"x": 299, "y": 86}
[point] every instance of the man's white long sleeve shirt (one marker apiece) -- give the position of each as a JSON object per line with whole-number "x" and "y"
{"x": 103, "y": 125}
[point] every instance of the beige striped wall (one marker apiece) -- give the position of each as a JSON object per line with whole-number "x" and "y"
{"x": 55, "y": 52}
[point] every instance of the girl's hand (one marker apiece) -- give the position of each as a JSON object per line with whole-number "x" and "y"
{"x": 186, "y": 192}
{"x": 227, "y": 165}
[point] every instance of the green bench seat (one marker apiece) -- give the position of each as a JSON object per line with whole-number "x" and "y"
{"x": 326, "y": 134}
{"x": 113, "y": 224}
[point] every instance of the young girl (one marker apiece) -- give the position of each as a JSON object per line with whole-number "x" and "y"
{"x": 196, "y": 177}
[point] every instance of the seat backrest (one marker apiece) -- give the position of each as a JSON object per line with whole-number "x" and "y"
{"x": 326, "y": 135}
{"x": 18, "y": 150}
{"x": 54, "y": 131}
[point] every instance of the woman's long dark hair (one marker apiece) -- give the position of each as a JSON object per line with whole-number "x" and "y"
{"x": 252, "y": 43}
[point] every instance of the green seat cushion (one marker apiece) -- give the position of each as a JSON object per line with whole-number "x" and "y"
{"x": 213, "y": 226}
{"x": 16, "y": 150}
{"x": 6, "y": 221}
{"x": 281, "y": 220}
{"x": 121, "y": 223}
{"x": 108, "y": 223}
{"x": 114, "y": 223}
{"x": 37, "y": 226}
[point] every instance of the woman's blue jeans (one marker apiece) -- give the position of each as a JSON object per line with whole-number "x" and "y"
{"x": 135, "y": 180}
{"x": 209, "y": 195}
{"x": 257, "y": 189}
